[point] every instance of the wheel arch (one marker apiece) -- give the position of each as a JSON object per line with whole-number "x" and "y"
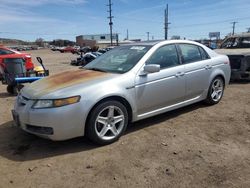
{"x": 114, "y": 98}
{"x": 222, "y": 77}
{"x": 218, "y": 73}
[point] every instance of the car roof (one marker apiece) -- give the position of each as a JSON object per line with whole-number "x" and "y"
{"x": 146, "y": 43}
{"x": 239, "y": 35}
{"x": 155, "y": 42}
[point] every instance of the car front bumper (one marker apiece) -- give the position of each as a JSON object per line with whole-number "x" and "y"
{"x": 60, "y": 123}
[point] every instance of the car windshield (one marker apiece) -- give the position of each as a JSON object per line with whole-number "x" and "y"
{"x": 120, "y": 59}
{"x": 236, "y": 42}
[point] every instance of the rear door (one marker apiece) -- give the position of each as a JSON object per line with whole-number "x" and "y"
{"x": 197, "y": 69}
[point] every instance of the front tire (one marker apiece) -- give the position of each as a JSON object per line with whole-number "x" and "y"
{"x": 216, "y": 91}
{"x": 107, "y": 122}
{"x": 14, "y": 89}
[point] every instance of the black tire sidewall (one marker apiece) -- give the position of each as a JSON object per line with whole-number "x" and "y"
{"x": 90, "y": 126}
{"x": 10, "y": 89}
{"x": 209, "y": 99}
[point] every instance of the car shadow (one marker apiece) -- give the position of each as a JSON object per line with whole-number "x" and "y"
{"x": 163, "y": 117}
{"x": 18, "y": 145}
{"x": 6, "y": 95}
{"x": 239, "y": 82}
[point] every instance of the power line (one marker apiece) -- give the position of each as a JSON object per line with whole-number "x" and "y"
{"x": 110, "y": 21}
{"x": 188, "y": 25}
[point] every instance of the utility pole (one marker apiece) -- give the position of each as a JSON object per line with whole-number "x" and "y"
{"x": 127, "y": 35}
{"x": 148, "y": 35}
{"x": 166, "y": 24}
{"x": 110, "y": 21}
{"x": 117, "y": 39}
{"x": 233, "y": 26}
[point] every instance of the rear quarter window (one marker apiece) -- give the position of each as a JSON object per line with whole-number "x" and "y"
{"x": 203, "y": 53}
{"x": 190, "y": 53}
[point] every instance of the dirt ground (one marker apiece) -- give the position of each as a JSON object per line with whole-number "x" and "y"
{"x": 196, "y": 146}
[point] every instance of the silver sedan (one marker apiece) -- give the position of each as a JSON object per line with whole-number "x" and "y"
{"x": 124, "y": 85}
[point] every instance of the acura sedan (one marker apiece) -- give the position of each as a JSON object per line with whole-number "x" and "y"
{"x": 124, "y": 85}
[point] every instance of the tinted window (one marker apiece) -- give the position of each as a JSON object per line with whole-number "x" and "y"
{"x": 165, "y": 56}
{"x": 204, "y": 54}
{"x": 190, "y": 53}
{"x": 5, "y": 52}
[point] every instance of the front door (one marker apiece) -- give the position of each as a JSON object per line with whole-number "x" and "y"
{"x": 156, "y": 91}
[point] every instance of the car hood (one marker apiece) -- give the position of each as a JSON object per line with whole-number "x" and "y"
{"x": 63, "y": 80}
{"x": 239, "y": 51}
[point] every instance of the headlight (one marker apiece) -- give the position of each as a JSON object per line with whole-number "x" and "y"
{"x": 45, "y": 103}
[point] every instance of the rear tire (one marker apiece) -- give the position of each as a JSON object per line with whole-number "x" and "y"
{"x": 216, "y": 91}
{"x": 107, "y": 122}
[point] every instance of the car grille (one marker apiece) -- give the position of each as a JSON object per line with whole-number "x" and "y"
{"x": 40, "y": 130}
{"x": 235, "y": 61}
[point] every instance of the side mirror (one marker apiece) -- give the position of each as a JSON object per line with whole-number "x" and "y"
{"x": 152, "y": 68}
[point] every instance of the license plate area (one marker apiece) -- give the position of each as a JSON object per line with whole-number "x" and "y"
{"x": 16, "y": 118}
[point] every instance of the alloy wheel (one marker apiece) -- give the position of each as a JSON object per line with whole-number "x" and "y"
{"x": 217, "y": 89}
{"x": 109, "y": 123}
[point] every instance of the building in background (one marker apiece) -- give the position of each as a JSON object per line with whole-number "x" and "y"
{"x": 100, "y": 37}
{"x": 101, "y": 40}
{"x": 80, "y": 41}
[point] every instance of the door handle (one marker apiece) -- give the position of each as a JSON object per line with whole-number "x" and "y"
{"x": 180, "y": 74}
{"x": 208, "y": 67}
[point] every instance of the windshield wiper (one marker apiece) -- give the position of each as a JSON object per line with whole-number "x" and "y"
{"x": 96, "y": 69}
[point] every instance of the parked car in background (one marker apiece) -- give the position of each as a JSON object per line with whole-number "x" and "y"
{"x": 56, "y": 48}
{"x": 86, "y": 58}
{"x": 126, "y": 84}
{"x": 6, "y": 53}
{"x": 237, "y": 48}
{"x": 85, "y": 49}
{"x": 104, "y": 50}
{"x": 53, "y": 48}
{"x": 67, "y": 49}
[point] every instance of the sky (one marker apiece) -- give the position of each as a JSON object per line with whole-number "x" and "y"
{"x": 65, "y": 19}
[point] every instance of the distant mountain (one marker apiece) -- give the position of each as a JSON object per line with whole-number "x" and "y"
{"x": 6, "y": 41}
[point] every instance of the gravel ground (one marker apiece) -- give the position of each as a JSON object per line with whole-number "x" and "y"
{"x": 196, "y": 146}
